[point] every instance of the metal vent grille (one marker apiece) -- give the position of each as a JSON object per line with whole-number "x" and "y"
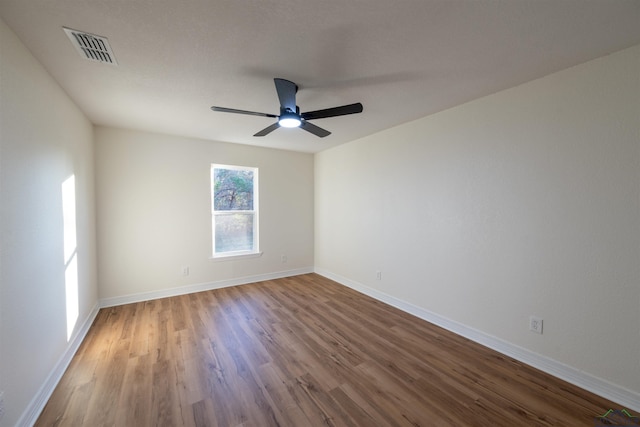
{"x": 91, "y": 46}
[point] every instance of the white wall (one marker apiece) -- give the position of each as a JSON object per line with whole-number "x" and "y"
{"x": 44, "y": 140}
{"x": 154, "y": 213}
{"x": 523, "y": 202}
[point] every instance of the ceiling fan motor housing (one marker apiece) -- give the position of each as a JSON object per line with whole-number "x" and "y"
{"x": 289, "y": 119}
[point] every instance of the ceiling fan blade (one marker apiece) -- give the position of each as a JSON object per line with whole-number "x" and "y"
{"x": 333, "y": 112}
{"x": 316, "y": 130}
{"x": 250, "y": 113}
{"x": 268, "y": 129}
{"x": 287, "y": 94}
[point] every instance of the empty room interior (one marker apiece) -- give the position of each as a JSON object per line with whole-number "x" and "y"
{"x": 448, "y": 234}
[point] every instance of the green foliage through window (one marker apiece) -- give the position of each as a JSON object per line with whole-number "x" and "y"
{"x": 233, "y": 189}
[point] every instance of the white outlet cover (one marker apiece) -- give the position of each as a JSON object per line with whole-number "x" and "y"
{"x": 535, "y": 324}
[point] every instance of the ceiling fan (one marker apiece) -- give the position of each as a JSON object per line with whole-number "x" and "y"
{"x": 290, "y": 115}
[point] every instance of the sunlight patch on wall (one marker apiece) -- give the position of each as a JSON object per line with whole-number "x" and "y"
{"x": 70, "y": 252}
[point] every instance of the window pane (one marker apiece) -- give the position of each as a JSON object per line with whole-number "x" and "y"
{"x": 234, "y": 232}
{"x": 233, "y": 190}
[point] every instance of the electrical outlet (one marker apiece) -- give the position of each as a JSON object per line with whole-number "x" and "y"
{"x": 283, "y": 259}
{"x": 185, "y": 271}
{"x": 535, "y": 324}
{"x": 378, "y": 275}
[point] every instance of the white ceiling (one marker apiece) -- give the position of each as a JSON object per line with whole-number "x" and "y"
{"x": 402, "y": 59}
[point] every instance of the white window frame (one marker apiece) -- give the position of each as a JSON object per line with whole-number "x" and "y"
{"x": 255, "y": 252}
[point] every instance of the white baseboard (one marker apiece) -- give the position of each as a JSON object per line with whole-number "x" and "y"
{"x": 199, "y": 287}
{"x": 626, "y": 398}
{"x": 35, "y": 407}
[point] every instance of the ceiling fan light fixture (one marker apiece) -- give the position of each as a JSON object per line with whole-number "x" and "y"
{"x": 289, "y": 120}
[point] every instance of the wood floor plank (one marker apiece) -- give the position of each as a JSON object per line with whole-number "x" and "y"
{"x": 298, "y": 351}
{"x": 134, "y": 405}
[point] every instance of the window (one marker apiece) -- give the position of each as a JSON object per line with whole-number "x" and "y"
{"x": 234, "y": 214}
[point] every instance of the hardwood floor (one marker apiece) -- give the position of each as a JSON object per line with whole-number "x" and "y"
{"x": 299, "y": 351}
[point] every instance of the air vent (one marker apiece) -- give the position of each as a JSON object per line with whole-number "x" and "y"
{"x": 91, "y": 47}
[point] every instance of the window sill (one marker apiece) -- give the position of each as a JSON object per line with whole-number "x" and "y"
{"x": 233, "y": 257}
